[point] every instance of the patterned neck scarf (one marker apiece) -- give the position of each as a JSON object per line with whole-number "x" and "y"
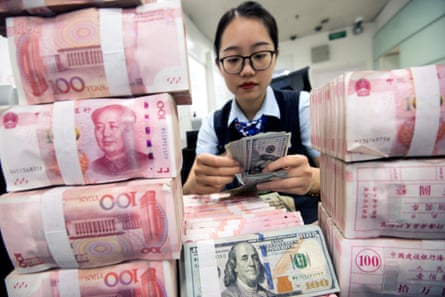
{"x": 249, "y": 128}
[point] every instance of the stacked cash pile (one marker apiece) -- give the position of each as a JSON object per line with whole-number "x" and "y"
{"x": 382, "y": 139}
{"x": 290, "y": 259}
{"x": 91, "y": 152}
{"x": 224, "y": 217}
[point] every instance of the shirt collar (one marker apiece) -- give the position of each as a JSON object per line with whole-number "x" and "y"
{"x": 269, "y": 108}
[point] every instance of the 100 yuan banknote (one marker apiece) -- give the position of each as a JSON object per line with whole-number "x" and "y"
{"x": 95, "y": 53}
{"x": 79, "y": 142}
{"x": 136, "y": 278}
{"x": 285, "y": 262}
{"x": 84, "y": 227}
{"x": 366, "y": 115}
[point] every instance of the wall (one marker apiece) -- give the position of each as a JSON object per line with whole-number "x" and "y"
{"x": 415, "y": 36}
{"x": 354, "y": 52}
{"x": 198, "y": 50}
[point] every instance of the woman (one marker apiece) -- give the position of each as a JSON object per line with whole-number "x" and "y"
{"x": 246, "y": 47}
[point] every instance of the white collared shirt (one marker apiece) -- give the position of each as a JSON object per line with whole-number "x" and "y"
{"x": 208, "y": 141}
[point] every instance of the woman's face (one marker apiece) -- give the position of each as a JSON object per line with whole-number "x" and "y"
{"x": 245, "y": 36}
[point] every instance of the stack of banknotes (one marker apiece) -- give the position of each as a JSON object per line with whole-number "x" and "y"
{"x": 91, "y": 151}
{"x": 292, "y": 259}
{"x": 382, "y": 140}
{"x": 78, "y": 142}
{"x": 369, "y": 115}
{"x": 283, "y": 262}
{"x": 100, "y": 52}
{"x": 398, "y": 198}
{"x": 215, "y": 216}
{"x": 384, "y": 266}
{"x": 137, "y": 278}
{"x": 92, "y": 226}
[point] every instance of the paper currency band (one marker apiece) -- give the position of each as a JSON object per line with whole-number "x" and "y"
{"x": 427, "y": 92}
{"x": 208, "y": 272}
{"x": 69, "y": 283}
{"x": 65, "y": 142}
{"x": 54, "y": 229}
{"x": 111, "y": 35}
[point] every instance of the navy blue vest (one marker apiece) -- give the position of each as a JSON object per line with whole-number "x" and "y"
{"x": 288, "y": 103}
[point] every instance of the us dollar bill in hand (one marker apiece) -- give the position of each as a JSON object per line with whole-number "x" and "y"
{"x": 255, "y": 152}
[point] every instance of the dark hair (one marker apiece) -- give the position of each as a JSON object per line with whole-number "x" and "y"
{"x": 127, "y": 114}
{"x": 249, "y": 9}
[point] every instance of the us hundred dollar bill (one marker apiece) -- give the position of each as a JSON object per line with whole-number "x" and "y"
{"x": 254, "y": 153}
{"x": 285, "y": 262}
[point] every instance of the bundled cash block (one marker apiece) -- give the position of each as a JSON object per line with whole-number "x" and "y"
{"x": 91, "y": 154}
{"x": 289, "y": 262}
{"x": 381, "y": 135}
{"x": 100, "y": 52}
{"x": 64, "y": 143}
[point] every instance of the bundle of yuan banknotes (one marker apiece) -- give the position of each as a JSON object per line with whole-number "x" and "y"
{"x": 255, "y": 152}
{"x": 384, "y": 266}
{"x": 100, "y": 52}
{"x": 135, "y": 278}
{"x": 401, "y": 198}
{"x": 71, "y": 143}
{"x": 367, "y": 115}
{"x": 211, "y": 219}
{"x": 92, "y": 226}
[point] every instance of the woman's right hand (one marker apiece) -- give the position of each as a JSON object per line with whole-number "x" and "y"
{"x": 210, "y": 173}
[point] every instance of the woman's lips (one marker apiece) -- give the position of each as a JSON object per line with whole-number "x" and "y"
{"x": 248, "y": 85}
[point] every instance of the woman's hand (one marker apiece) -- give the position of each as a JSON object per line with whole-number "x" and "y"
{"x": 210, "y": 173}
{"x": 301, "y": 177}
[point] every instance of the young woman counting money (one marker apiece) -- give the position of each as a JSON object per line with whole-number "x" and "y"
{"x": 246, "y": 46}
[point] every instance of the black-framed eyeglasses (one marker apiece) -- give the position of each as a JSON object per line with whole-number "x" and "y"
{"x": 259, "y": 61}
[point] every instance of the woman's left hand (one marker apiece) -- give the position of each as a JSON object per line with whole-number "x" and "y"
{"x": 301, "y": 177}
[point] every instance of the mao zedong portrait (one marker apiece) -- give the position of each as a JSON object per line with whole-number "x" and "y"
{"x": 115, "y": 136}
{"x": 244, "y": 272}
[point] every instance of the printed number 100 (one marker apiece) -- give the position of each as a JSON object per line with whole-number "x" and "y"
{"x": 63, "y": 86}
{"x": 367, "y": 260}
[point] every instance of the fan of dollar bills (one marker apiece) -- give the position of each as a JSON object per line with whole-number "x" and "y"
{"x": 254, "y": 153}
